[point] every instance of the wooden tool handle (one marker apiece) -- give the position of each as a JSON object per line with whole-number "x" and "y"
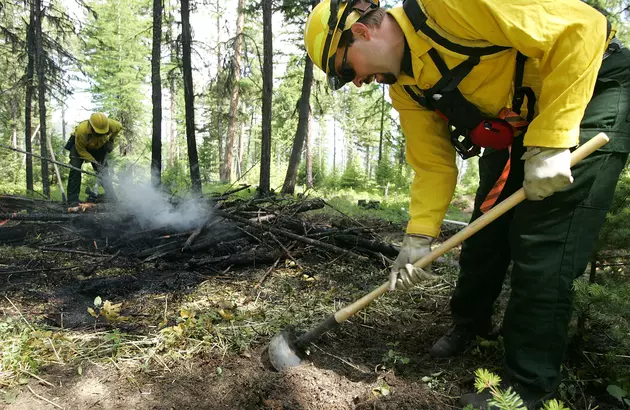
{"x": 502, "y": 207}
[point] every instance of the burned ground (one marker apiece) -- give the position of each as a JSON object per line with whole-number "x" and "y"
{"x": 192, "y": 335}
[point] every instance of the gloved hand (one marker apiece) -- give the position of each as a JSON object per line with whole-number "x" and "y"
{"x": 403, "y": 275}
{"x": 109, "y": 146}
{"x": 98, "y": 167}
{"x": 547, "y": 170}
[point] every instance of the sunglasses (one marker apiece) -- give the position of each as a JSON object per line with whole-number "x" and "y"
{"x": 345, "y": 74}
{"x": 336, "y": 80}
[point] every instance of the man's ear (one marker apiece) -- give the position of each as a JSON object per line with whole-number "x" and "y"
{"x": 360, "y": 30}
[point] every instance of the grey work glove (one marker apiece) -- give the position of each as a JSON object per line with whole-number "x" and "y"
{"x": 109, "y": 146}
{"x": 547, "y": 170}
{"x": 403, "y": 274}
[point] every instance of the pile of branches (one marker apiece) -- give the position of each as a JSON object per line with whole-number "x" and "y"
{"x": 233, "y": 232}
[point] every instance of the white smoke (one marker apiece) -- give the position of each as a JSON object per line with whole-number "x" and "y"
{"x": 154, "y": 209}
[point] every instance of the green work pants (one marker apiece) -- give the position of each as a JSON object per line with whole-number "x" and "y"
{"x": 74, "y": 178}
{"x": 548, "y": 241}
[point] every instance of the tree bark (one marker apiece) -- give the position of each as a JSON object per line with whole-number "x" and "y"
{"x": 156, "y": 95}
{"x": 265, "y": 149}
{"x": 30, "y": 71}
{"x": 14, "y": 129}
{"x": 302, "y": 129}
{"x": 172, "y": 148}
{"x": 309, "y": 152}
{"x": 226, "y": 177}
{"x": 380, "y": 139}
{"x": 41, "y": 79}
{"x": 219, "y": 94}
{"x": 189, "y": 99}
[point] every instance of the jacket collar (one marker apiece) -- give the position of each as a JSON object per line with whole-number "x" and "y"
{"x": 415, "y": 47}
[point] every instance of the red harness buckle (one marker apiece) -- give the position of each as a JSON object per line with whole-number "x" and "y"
{"x": 496, "y": 134}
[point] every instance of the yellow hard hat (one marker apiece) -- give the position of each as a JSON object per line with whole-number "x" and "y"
{"x": 323, "y": 29}
{"x": 99, "y": 123}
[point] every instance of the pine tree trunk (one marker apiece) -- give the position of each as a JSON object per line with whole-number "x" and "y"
{"x": 189, "y": 99}
{"x": 334, "y": 145}
{"x": 172, "y": 148}
{"x": 309, "y": 152}
{"x": 30, "y": 71}
{"x": 368, "y": 163}
{"x": 239, "y": 156}
{"x": 219, "y": 94}
{"x": 14, "y": 129}
{"x": 380, "y": 139}
{"x": 302, "y": 129}
{"x": 265, "y": 149}
{"x": 156, "y": 95}
{"x": 248, "y": 153}
{"x": 41, "y": 77}
{"x": 229, "y": 145}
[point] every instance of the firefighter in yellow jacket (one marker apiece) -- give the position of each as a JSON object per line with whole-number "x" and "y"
{"x": 527, "y": 81}
{"x": 91, "y": 141}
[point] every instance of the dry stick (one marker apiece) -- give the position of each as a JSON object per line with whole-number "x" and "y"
{"x": 49, "y": 160}
{"x": 52, "y": 155}
{"x": 39, "y": 270}
{"x": 37, "y": 377}
{"x": 44, "y": 398}
{"x": 286, "y": 251}
{"x": 291, "y": 235}
{"x": 47, "y": 249}
{"x": 226, "y": 193}
{"x": 21, "y": 315}
{"x": 265, "y": 276}
{"x": 196, "y": 233}
{"x": 40, "y": 217}
{"x": 96, "y": 265}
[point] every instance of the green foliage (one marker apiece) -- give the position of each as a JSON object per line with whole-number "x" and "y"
{"x": 319, "y": 174}
{"x": 470, "y": 180}
{"x": 619, "y": 393}
{"x": 393, "y": 357}
{"x": 116, "y": 47}
{"x": 352, "y": 176}
{"x": 506, "y": 399}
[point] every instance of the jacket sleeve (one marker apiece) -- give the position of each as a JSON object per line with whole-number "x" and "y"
{"x": 115, "y": 127}
{"x": 432, "y": 157}
{"x": 568, "y": 37}
{"x": 80, "y": 141}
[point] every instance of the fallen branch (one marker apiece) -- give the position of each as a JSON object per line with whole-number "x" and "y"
{"x": 249, "y": 257}
{"x": 291, "y": 235}
{"x": 196, "y": 233}
{"x": 44, "y": 398}
{"x": 264, "y": 277}
{"x": 38, "y": 270}
{"x": 39, "y": 217}
{"x": 49, "y": 160}
{"x": 96, "y": 265}
{"x": 47, "y": 249}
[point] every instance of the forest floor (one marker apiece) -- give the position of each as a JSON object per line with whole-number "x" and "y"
{"x": 191, "y": 339}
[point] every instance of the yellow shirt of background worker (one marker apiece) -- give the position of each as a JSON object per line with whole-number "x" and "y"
{"x": 88, "y": 138}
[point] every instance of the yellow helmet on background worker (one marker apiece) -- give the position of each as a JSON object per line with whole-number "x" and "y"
{"x": 99, "y": 123}
{"x": 323, "y": 29}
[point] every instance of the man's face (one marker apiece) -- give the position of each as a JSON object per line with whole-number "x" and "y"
{"x": 354, "y": 63}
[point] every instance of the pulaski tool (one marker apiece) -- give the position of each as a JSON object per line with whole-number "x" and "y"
{"x": 287, "y": 350}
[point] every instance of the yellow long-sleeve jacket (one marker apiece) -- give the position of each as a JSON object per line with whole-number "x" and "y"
{"x": 564, "y": 41}
{"x": 86, "y": 139}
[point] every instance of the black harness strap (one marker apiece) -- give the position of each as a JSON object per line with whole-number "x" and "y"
{"x": 521, "y": 92}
